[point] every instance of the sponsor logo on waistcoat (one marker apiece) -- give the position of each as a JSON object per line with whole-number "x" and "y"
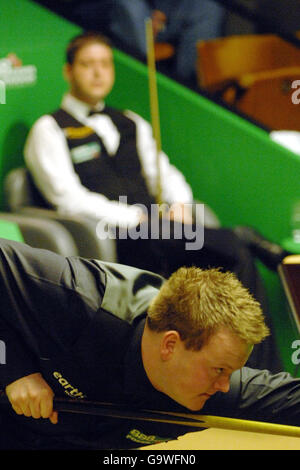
{"x": 78, "y": 132}
{"x": 85, "y": 152}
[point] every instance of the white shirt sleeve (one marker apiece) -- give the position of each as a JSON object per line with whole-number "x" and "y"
{"x": 174, "y": 186}
{"x": 47, "y": 157}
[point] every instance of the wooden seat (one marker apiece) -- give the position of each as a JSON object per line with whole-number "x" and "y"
{"x": 254, "y": 73}
{"x": 269, "y": 99}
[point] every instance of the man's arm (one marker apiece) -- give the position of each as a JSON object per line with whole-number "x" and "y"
{"x": 175, "y": 188}
{"x": 46, "y": 302}
{"x": 19, "y": 359}
{"x": 259, "y": 395}
{"x": 269, "y": 397}
{"x": 47, "y": 157}
{"x": 27, "y": 391}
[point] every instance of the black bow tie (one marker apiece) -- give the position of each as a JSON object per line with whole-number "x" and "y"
{"x": 93, "y": 112}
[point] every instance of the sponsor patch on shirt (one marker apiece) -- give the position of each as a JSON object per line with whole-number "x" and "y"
{"x": 85, "y": 152}
{"x": 137, "y": 436}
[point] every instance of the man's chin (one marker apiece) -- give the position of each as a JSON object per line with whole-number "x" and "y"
{"x": 196, "y": 407}
{"x": 98, "y": 93}
{"x": 197, "y": 404}
{"x": 92, "y": 96}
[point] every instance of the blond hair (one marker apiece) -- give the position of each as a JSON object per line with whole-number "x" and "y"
{"x": 197, "y": 302}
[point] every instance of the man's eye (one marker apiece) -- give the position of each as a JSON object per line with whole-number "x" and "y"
{"x": 219, "y": 370}
{"x": 86, "y": 64}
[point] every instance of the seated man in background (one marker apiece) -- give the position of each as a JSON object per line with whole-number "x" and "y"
{"x": 86, "y": 155}
{"x": 90, "y": 330}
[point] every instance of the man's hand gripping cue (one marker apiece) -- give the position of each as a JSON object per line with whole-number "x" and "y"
{"x": 32, "y": 396}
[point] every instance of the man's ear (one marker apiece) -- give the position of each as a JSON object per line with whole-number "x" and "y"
{"x": 168, "y": 344}
{"x": 67, "y": 72}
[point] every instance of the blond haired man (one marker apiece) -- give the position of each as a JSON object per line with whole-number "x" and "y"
{"x": 91, "y": 330}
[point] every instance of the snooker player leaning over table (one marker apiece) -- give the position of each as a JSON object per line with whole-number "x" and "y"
{"x": 100, "y": 331}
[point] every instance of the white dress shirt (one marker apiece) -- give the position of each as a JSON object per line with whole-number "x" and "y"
{"x": 47, "y": 157}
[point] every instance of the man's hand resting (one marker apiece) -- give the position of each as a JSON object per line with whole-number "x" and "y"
{"x": 180, "y": 212}
{"x": 32, "y": 396}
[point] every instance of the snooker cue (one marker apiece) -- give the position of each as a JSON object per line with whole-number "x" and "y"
{"x": 154, "y": 107}
{"x": 115, "y": 410}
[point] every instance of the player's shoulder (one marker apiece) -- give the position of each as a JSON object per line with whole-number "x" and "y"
{"x": 45, "y": 122}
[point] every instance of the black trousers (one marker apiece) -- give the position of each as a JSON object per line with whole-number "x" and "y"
{"x": 221, "y": 248}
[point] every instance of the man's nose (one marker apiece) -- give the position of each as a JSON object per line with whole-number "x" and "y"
{"x": 222, "y": 384}
{"x": 97, "y": 71}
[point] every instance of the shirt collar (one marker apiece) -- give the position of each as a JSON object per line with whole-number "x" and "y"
{"x": 79, "y": 109}
{"x": 137, "y": 386}
{"x": 136, "y": 380}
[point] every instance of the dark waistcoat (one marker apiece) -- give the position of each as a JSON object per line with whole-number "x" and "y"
{"x": 112, "y": 176}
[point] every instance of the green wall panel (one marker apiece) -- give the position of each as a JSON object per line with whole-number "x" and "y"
{"x": 38, "y": 38}
{"x": 10, "y": 231}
